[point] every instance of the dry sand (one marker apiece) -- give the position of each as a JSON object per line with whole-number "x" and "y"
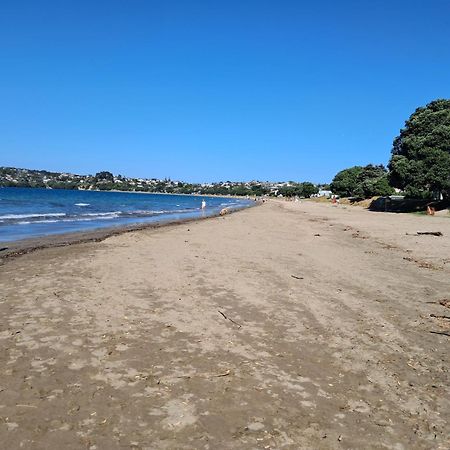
{"x": 290, "y": 325}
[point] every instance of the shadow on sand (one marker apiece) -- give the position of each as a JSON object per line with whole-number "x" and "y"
{"x": 402, "y": 205}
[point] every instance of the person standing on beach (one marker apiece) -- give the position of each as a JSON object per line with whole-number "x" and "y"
{"x": 203, "y": 204}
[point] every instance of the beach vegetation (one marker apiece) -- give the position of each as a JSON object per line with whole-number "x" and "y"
{"x": 305, "y": 189}
{"x": 420, "y": 161}
{"x": 362, "y": 182}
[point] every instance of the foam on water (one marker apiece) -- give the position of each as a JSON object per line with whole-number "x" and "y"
{"x": 27, "y": 216}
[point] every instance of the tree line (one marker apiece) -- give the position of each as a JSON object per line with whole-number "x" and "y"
{"x": 419, "y": 168}
{"x": 419, "y": 165}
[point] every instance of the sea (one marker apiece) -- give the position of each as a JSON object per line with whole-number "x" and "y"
{"x": 30, "y": 213}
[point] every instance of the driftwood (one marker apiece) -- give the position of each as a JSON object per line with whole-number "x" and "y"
{"x": 440, "y": 317}
{"x": 297, "y": 278}
{"x": 440, "y": 332}
{"x": 206, "y": 375}
{"x": 231, "y": 320}
{"x": 421, "y": 233}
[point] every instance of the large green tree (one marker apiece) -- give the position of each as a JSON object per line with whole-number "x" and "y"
{"x": 104, "y": 176}
{"x": 309, "y": 189}
{"x": 361, "y": 181}
{"x": 420, "y": 162}
{"x": 345, "y": 182}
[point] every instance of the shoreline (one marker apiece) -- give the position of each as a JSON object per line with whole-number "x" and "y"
{"x": 11, "y": 249}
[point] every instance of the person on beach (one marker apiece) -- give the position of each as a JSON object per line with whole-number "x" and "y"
{"x": 203, "y": 204}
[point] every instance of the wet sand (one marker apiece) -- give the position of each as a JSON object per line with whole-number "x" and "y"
{"x": 290, "y": 325}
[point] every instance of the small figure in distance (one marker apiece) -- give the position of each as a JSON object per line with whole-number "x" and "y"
{"x": 203, "y": 204}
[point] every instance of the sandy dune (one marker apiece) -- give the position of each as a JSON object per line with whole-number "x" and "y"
{"x": 289, "y": 325}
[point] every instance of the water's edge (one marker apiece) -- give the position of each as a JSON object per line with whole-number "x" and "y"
{"x": 20, "y": 247}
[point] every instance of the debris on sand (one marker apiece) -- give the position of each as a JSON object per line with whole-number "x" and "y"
{"x": 231, "y": 320}
{"x": 443, "y": 333}
{"x": 297, "y": 278}
{"x": 439, "y": 317}
{"x": 445, "y": 303}
{"x": 425, "y": 233}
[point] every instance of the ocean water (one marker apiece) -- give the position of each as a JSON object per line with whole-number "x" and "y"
{"x": 29, "y": 213}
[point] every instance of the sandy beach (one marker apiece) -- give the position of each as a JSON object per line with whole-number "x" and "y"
{"x": 288, "y": 325}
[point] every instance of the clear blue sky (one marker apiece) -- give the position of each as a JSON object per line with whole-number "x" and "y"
{"x": 215, "y": 90}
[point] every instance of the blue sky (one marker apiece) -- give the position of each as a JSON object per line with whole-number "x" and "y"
{"x": 215, "y": 90}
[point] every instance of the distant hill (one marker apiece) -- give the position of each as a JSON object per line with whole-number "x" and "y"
{"x": 106, "y": 181}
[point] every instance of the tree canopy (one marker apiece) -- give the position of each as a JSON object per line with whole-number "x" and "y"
{"x": 104, "y": 176}
{"x": 420, "y": 162}
{"x": 361, "y": 181}
{"x": 305, "y": 189}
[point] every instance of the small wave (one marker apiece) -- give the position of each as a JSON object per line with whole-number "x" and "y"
{"x": 27, "y": 222}
{"x": 82, "y": 204}
{"x": 175, "y": 211}
{"x": 30, "y": 216}
{"x": 100, "y": 214}
{"x": 71, "y": 219}
{"x": 91, "y": 219}
{"x": 143, "y": 212}
{"x": 148, "y": 213}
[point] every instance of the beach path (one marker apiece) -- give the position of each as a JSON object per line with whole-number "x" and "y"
{"x": 288, "y": 325}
